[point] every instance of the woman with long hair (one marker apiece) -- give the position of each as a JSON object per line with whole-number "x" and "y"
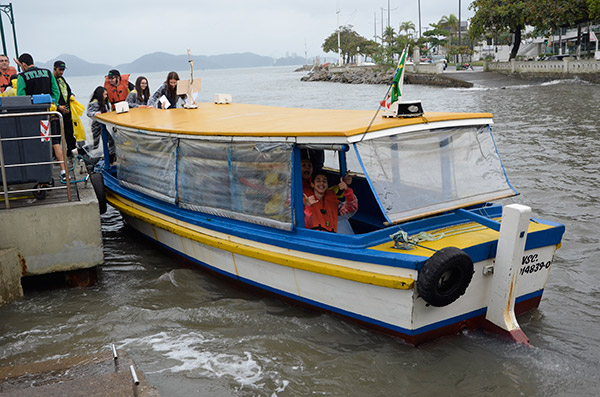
{"x": 98, "y": 104}
{"x": 169, "y": 91}
{"x": 139, "y": 97}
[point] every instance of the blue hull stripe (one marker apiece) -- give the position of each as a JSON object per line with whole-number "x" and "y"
{"x": 330, "y": 244}
{"x": 337, "y": 310}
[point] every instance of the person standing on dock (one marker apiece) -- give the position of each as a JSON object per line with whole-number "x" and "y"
{"x": 34, "y": 81}
{"x": 64, "y": 108}
{"x": 5, "y": 72}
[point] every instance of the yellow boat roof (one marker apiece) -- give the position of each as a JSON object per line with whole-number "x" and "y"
{"x": 238, "y": 119}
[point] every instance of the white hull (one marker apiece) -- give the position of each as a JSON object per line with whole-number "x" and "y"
{"x": 397, "y": 310}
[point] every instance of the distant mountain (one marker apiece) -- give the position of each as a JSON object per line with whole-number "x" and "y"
{"x": 163, "y": 62}
{"x": 77, "y": 66}
{"x": 244, "y": 60}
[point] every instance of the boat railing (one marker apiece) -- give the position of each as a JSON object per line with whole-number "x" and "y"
{"x": 26, "y": 139}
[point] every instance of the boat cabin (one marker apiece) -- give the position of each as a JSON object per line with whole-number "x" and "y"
{"x": 402, "y": 170}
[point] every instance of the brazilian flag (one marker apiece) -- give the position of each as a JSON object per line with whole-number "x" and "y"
{"x": 399, "y": 77}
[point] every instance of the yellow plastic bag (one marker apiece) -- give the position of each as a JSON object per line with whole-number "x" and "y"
{"x": 77, "y": 110}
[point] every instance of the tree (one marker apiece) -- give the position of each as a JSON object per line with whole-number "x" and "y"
{"x": 350, "y": 42}
{"x": 549, "y": 15}
{"x": 407, "y": 27}
{"x": 500, "y": 15}
{"x": 449, "y": 24}
{"x": 594, "y": 8}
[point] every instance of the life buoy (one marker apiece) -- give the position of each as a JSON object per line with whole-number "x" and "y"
{"x": 445, "y": 276}
{"x": 98, "y": 185}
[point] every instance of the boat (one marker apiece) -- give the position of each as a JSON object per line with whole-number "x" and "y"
{"x": 432, "y": 250}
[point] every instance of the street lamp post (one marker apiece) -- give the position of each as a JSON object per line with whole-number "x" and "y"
{"x": 419, "y": 18}
{"x": 459, "y": 33}
{"x": 338, "y": 34}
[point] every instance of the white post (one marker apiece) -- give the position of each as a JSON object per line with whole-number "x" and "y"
{"x": 338, "y": 34}
{"x": 511, "y": 245}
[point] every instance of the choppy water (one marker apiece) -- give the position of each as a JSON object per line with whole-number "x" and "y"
{"x": 193, "y": 334}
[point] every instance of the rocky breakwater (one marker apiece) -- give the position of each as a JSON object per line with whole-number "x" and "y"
{"x": 380, "y": 75}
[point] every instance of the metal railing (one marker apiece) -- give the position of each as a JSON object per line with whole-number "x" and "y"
{"x": 5, "y": 192}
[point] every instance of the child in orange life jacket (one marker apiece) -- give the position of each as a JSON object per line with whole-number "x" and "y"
{"x": 321, "y": 210}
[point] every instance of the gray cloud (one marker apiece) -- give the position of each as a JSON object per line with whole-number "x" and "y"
{"x": 115, "y": 32}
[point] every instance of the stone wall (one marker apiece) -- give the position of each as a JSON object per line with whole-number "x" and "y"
{"x": 564, "y": 66}
{"x": 379, "y": 75}
{"x": 588, "y": 69}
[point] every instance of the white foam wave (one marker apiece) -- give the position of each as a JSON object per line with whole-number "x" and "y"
{"x": 170, "y": 276}
{"x": 130, "y": 268}
{"x": 284, "y": 384}
{"x": 190, "y": 352}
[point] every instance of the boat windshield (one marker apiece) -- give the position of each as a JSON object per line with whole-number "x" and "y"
{"x": 427, "y": 172}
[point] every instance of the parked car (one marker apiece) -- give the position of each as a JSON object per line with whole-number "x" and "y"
{"x": 556, "y": 57}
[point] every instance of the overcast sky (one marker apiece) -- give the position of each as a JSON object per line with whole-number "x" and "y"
{"x": 115, "y": 32}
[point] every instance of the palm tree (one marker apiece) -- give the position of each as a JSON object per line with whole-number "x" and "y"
{"x": 407, "y": 27}
{"x": 449, "y": 23}
{"x": 389, "y": 35}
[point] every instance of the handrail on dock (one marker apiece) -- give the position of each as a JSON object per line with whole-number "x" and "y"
{"x": 3, "y": 166}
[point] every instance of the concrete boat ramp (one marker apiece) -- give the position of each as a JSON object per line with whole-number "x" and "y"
{"x": 54, "y": 241}
{"x": 100, "y": 374}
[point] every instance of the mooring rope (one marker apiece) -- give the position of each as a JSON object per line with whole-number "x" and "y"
{"x": 403, "y": 241}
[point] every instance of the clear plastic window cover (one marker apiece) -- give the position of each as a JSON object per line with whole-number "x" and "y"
{"x": 352, "y": 164}
{"x": 429, "y": 171}
{"x": 244, "y": 181}
{"x": 147, "y": 163}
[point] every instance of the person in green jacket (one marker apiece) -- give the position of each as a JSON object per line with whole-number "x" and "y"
{"x": 34, "y": 81}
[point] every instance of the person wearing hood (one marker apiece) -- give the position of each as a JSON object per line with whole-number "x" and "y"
{"x": 64, "y": 106}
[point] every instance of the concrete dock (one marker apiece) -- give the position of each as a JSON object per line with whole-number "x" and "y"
{"x": 91, "y": 375}
{"x": 50, "y": 236}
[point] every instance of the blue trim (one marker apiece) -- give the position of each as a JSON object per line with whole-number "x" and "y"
{"x": 499, "y": 158}
{"x": 337, "y": 310}
{"x": 450, "y": 321}
{"x": 342, "y": 160}
{"x": 276, "y": 291}
{"x": 233, "y": 194}
{"x": 351, "y": 247}
{"x": 312, "y": 241}
{"x": 473, "y": 314}
{"x": 297, "y": 195}
{"x": 387, "y": 218}
{"x": 177, "y": 172}
{"x": 531, "y": 295}
{"x": 105, "y": 146}
{"x": 485, "y": 221}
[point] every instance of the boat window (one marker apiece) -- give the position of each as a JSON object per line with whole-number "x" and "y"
{"x": 332, "y": 161}
{"x": 244, "y": 181}
{"x": 428, "y": 172}
{"x": 147, "y": 163}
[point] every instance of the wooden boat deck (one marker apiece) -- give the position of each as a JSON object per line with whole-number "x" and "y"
{"x": 238, "y": 119}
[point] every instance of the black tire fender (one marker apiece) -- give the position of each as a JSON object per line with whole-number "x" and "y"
{"x": 445, "y": 276}
{"x": 98, "y": 184}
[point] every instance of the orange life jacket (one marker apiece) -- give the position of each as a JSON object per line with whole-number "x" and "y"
{"x": 5, "y": 78}
{"x": 118, "y": 93}
{"x": 323, "y": 214}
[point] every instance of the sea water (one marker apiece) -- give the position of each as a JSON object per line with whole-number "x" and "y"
{"x": 193, "y": 334}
